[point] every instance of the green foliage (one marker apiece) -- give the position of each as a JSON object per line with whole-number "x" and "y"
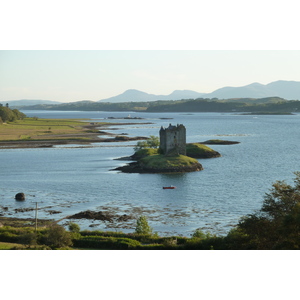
{"x": 10, "y": 246}
{"x": 74, "y": 230}
{"x": 142, "y": 226}
{"x": 19, "y": 115}
{"x": 196, "y": 150}
{"x": 58, "y": 237}
{"x": 14, "y": 235}
{"x": 141, "y": 153}
{"x": 100, "y": 242}
{"x": 168, "y": 162}
{"x": 152, "y": 142}
{"x": 8, "y": 115}
{"x": 28, "y": 239}
{"x": 277, "y": 224}
{"x": 199, "y": 234}
{"x": 73, "y": 227}
{"x": 8, "y": 237}
{"x": 236, "y": 239}
{"x": 269, "y": 104}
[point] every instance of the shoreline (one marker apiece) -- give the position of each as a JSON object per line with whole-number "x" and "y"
{"x": 83, "y": 138}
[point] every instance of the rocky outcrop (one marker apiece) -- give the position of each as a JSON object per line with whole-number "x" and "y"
{"x": 20, "y": 197}
{"x": 103, "y": 216}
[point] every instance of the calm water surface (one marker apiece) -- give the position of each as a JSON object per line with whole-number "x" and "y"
{"x": 71, "y": 179}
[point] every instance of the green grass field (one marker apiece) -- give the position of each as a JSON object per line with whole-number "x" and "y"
{"x": 9, "y": 246}
{"x": 35, "y": 129}
{"x": 164, "y": 162}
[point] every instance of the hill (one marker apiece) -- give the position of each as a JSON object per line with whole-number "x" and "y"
{"x": 138, "y": 96}
{"x": 289, "y": 90}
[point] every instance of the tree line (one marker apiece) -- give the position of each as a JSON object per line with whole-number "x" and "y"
{"x": 263, "y": 105}
{"x": 10, "y": 115}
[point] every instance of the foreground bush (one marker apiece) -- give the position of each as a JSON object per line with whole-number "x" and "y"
{"x": 100, "y": 242}
{"x": 142, "y": 226}
{"x": 58, "y": 237}
{"x": 277, "y": 224}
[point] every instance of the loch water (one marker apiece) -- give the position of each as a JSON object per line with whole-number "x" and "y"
{"x": 71, "y": 178}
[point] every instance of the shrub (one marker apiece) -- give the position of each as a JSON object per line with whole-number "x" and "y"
{"x": 152, "y": 142}
{"x": 199, "y": 234}
{"x": 58, "y": 237}
{"x": 74, "y": 230}
{"x": 142, "y": 226}
{"x": 28, "y": 239}
{"x": 99, "y": 242}
{"x": 277, "y": 224}
{"x": 8, "y": 115}
{"x": 8, "y": 237}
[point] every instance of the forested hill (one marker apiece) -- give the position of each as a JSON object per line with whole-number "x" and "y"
{"x": 263, "y": 105}
{"x": 269, "y": 104}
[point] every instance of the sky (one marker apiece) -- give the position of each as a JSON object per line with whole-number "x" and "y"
{"x": 71, "y": 51}
{"x": 70, "y": 75}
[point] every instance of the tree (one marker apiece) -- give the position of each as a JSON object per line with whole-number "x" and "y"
{"x": 19, "y": 115}
{"x": 152, "y": 142}
{"x": 74, "y": 230}
{"x": 58, "y": 237}
{"x": 8, "y": 115}
{"x": 142, "y": 226}
{"x": 199, "y": 234}
{"x": 73, "y": 227}
{"x": 277, "y": 224}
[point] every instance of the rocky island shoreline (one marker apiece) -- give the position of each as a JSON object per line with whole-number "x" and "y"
{"x": 150, "y": 161}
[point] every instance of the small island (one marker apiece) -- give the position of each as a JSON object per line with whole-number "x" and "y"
{"x": 172, "y": 156}
{"x": 219, "y": 142}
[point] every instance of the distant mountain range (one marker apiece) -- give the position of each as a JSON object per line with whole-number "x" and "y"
{"x": 137, "y": 96}
{"x": 289, "y": 90}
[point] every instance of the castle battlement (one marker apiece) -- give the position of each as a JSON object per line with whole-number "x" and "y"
{"x": 173, "y": 139}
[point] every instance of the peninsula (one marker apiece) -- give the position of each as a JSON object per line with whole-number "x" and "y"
{"x": 37, "y": 133}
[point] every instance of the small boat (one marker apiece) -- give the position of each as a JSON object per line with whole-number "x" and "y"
{"x": 171, "y": 187}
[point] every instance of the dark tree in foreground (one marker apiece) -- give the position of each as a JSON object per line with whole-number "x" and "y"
{"x": 277, "y": 224}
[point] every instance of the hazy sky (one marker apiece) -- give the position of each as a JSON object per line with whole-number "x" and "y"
{"x": 145, "y": 32}
{"x": 94, "y": 75}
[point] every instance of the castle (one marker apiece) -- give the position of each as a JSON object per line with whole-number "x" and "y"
{"x": 173, "y": 140}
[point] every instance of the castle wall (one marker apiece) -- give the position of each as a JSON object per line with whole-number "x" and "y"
{"x": 173, "y": 139}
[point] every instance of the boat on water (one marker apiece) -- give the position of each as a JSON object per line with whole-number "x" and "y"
{"x": 171, "y": 187}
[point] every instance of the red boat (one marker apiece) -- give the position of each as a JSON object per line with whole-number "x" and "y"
{"x": 169, "y": 187}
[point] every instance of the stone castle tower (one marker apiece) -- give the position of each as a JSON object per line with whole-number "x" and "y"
{"x": 173, "y": 139}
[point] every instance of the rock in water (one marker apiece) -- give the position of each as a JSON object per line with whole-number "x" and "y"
{"x": 20, "y": 196}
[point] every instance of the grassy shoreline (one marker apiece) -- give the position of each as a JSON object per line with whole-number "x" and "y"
{"x": 35, "y": 133}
